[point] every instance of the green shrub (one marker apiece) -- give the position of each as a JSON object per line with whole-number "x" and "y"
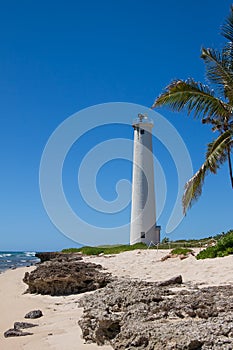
{"x": 179, "y": 251}
{"x": 229, "y": 250}
{"x": 209, "y": 252}
{"x": 223, "y": 247}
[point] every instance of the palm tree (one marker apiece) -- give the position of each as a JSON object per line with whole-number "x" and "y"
{"x": 202, "y": 101}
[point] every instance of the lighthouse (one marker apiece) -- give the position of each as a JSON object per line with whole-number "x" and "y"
{"x": 143, "y": 227}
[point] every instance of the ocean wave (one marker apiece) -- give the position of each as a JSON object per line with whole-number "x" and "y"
{"x": 30, "y": 253}
{"x": 5, "y": 255}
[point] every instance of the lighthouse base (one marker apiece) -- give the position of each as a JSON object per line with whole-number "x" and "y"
{"x": 152, "y": 237}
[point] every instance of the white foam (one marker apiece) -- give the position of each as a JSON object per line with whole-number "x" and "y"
{"x": 30, "y": 253}
{"x": 4, "y": 255}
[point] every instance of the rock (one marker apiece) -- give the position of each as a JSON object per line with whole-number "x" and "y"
{"x": 173, "y": 280}
{"x": 66, "y": 274}
{"x": 47, "y": 256}
{"x": 168, "y": 256}
{"x": 181, "y": 256}
{"x": 15, "y": 333}
{"x": 132, "y": 314}
{"x": 23, "y": 325}
{"x": 34, "y": 314}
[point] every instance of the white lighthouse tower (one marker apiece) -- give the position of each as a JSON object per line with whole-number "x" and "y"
{"x": 143, "y": 215}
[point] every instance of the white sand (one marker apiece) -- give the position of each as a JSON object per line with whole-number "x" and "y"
{"x": 147, "y": 265}
{"x": 58, "y": 329}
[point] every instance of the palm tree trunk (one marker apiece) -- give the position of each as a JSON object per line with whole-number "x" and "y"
{"x": 230, "y": 165}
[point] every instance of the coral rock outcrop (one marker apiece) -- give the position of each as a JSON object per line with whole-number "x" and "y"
{"x": 66, "y": 274}
{"x": 135, "y": 314}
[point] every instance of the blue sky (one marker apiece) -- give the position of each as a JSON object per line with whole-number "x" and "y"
{"x": 59, "y": 57}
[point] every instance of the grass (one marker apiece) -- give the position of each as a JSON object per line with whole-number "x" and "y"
{"x": 223, "y": 247}
{"x": 115, "y": 249}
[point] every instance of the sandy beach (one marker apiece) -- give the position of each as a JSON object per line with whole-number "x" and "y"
{"x": 59, "y": 330}
{"x": 147, "y": 265}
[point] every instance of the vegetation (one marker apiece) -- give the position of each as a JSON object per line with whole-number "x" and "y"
{"x": 190, "y": 243}
{"x": 181, "y": 251}
{"x": 115, "y": 249}
{"x": 165, "y": 240}
{"x": 178, "y": 247}
{"x": 223, "y": 247}
{"x": 216, "y": 111}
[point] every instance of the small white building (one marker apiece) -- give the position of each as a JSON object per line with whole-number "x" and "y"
{"x": 143, "y": 214}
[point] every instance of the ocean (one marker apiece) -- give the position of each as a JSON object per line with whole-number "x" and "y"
{"x": 11, "y": 260}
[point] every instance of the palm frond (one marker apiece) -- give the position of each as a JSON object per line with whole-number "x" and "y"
{"x": 193, "y": 188}
{"x": 217, "y": 151}
{"x": 218, "y": 70}
{"x": 227, "y": 54}
{"x": 215, "y": 156}
{"x": 192, "y": 96}
{"x": 227, "y": 28}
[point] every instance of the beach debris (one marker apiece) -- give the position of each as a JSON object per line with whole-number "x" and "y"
{"x": 181, "y": 256}
{"x": 23, "y": 325}
{"x": 134, "y": 314}
{"x": 34, "y": 314}
{"x": 15, "y": 333}
{"x": 66, "y": 274}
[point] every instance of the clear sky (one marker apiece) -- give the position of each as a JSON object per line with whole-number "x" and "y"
{"x": 58, "y": 57}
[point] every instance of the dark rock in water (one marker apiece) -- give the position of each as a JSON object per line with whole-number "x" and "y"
{"x": 15, "y": 333}
{"x": 47, "y": 256}
{"x": 23, "y": 325}
{"x": 132, "y": 314}
{"x": 66, "y": 274}
{"x": 34, "y": 314}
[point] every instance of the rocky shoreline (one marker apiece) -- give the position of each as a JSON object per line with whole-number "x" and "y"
{"x": 134, "y": 314}
{"x": 141, "y": 315}
{"x": 65, "y": 274}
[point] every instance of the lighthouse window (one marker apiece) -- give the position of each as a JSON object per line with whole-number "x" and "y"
{"x": 143, "y": 235}
{"x": 142, "y": 131}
